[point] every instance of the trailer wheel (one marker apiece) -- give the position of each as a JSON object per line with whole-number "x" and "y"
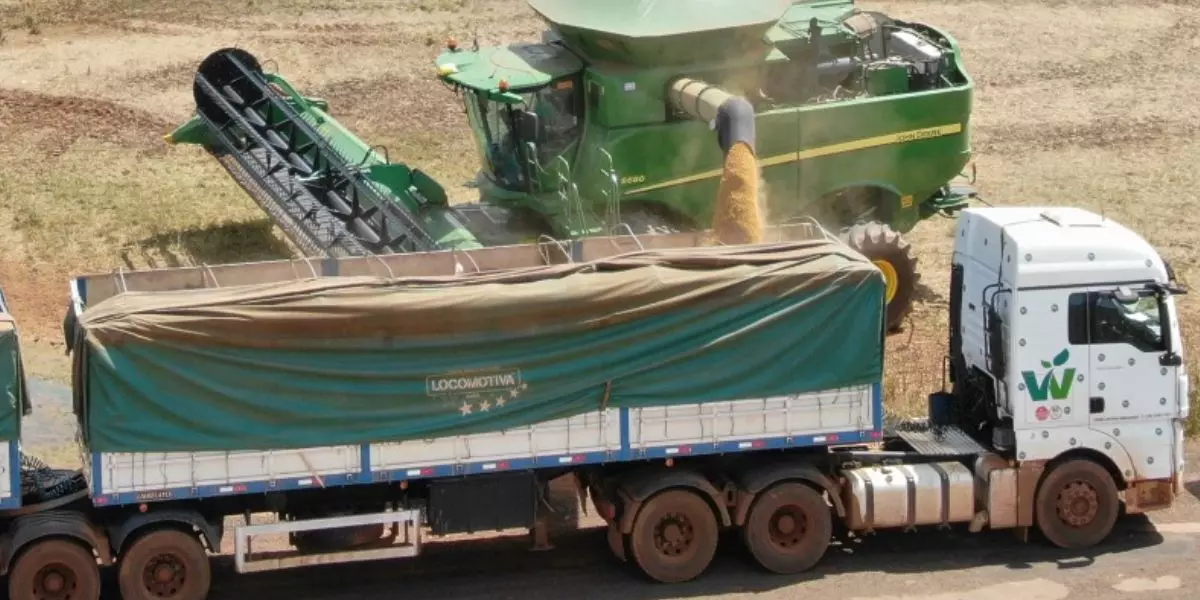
{"x": 1077, "y": 504}
{"x": 55, "y": 569}
{"x": 167, "y": 563}
{"x": 788, "y": 528}
{"x": 674, "y": 536}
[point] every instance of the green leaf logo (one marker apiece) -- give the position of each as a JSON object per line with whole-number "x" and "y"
{"x": 1046, "y": 365}
{"x": 1062, "y": 357}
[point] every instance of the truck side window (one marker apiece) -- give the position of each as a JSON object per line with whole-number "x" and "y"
{"x": 1099, "y": 318}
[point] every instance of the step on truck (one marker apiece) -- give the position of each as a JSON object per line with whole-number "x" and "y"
{"x": 371, "y": 403}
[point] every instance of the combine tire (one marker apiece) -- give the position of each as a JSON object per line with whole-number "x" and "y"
{"x": 788, "y": 528}
{"x": 1077, "y": 504}
{"x": 674, "y": 537}
{"x": 55, "y": 569}
{"x": 888, "y": 250}
{"x": 167, "y": 563}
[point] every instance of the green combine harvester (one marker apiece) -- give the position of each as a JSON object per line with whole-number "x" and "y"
{"x": 617, "y": 119}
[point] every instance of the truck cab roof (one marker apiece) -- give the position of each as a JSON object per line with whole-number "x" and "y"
{"x": 1059, "y": 246}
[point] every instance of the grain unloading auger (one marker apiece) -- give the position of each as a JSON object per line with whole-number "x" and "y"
{"x": 332, "y": 194}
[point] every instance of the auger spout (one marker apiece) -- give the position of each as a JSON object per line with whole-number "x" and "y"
{"x": 737, "y": 217}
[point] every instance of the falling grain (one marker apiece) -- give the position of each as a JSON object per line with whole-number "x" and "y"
{"x": 736, "y": 218}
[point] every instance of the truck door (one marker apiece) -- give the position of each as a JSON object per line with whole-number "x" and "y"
{"x": 1129, "y": 389}
{"x": 1051, "y": 363}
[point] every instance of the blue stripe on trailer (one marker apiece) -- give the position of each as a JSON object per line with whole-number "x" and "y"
{"x": 449, "y": 470}
{"x": 877, "y": 405}
{"x": 626, "y": 452}
{"x": 14, "y": 476}
{"x": 97, "y": 469}
{"x": 364, "y": 464}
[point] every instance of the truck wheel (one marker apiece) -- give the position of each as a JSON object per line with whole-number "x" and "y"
{"x": 1077, "y": 505}
{"x": 892, "y": 255}
{"x": 167, "y": 563}
{"x": 616, "y": 541}
{"x": 674, "y": 537}
{"x": 788, "y": 528}
{"x": 55, "y": 569}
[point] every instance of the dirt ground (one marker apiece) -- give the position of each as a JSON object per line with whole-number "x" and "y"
{"x": 1079, "y": 102}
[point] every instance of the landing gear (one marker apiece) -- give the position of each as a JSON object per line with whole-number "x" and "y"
{"x": 165, "y": 564}
{"x": 1077, "y": 505}
{"x": 674, "y": 537}
{"x": 892, "y": 255}
{"x": 788, "y": 528}
{"x": 55, "y": 569}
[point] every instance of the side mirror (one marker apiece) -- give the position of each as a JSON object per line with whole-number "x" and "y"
{"x": 528, "y": 126}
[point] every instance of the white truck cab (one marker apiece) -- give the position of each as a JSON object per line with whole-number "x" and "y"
{"x": 1065, "y": 323}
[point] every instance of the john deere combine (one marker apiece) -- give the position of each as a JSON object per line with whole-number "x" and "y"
{"x": 859, "y": 120}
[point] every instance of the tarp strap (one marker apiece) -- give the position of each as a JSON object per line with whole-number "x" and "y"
{"x": 607, "y": 395}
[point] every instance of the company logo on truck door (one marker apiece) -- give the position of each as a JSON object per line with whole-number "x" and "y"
{"x": 1050, "y": 385}
{"x": 467, "y": 383}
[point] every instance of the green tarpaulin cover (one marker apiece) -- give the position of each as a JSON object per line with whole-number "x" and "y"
{"x": 349, "y": 360}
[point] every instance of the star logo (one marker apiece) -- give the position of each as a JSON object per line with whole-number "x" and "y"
{"x": 465, "y": 409}
{"x": 501, "y": 401}
{"x": 484, "y": 406}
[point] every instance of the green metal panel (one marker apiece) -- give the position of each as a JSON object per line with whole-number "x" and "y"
{"x": 521, "y": 66}
{"x": 662, "y": 32}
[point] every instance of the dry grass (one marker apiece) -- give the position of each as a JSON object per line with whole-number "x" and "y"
{"x": 1080, "y": 102}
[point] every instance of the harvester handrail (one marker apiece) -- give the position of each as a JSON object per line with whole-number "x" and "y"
{"x": 631, "y": 234}
{"x": 208, "y": 269}
{"x": 558, "y": 243}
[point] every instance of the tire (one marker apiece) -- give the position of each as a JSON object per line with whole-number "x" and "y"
{"x": 616, "y": 541}
{"x": 1077, "y": 505}
{"x": 167, "y": 563}
{"x": 674, "y": 537}
{"x": 788, "y": 528}
{"x": 55, "y": 569}
{"x": 892, "y": 255}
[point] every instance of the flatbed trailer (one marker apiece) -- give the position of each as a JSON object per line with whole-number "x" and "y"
{"x": 1011, "y": 444}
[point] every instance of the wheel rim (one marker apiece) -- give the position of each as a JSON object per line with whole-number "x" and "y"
{"x": 1078, "y": 504}
{"x": 674, "y": 536}
{"x": 890, "y": 277}
{"x": 787, "y": 527}
{"x": 164, "y": 575}
{"x": 55, "y": 582}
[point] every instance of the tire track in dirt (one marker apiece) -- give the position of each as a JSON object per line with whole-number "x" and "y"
{"x": 70, "y": 118}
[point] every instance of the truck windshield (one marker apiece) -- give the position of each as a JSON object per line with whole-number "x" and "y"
{"x": 495, "y": 124}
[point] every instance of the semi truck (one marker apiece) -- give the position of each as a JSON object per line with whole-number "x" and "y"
{"x": 689, "y": 388}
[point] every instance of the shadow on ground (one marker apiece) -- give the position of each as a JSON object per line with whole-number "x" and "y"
{"x": 581, "y": 567}
{"x": 247, "y": 241}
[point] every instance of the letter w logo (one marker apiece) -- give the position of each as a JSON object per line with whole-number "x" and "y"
{"x": 1049, "y": 386}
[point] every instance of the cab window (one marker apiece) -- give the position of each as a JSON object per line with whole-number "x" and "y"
{"x": 1102, "y": 318}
